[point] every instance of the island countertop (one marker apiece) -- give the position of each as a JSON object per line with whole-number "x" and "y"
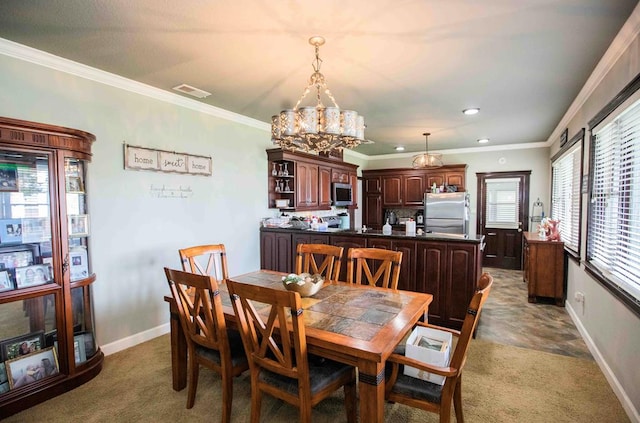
{"x": 475, "y": 239}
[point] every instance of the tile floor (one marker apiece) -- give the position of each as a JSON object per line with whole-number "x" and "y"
{"x": 508, "y": 318}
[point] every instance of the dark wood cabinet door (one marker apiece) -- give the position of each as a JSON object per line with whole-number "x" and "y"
{"x": 372, "y": 185}
{"x": 275, "y": 251}
{"x": 391, "y": 191}
{"x": 460, "y": 283}
{"x": 431, "y": 267}
{"x": 306, "y": 186}
{"x": 413, "y": 190}
{"x": 324, "y": 187}
{"x": 407, "y": 280}
{"x": 346, "y": 242}
{"x": 437, "y": 178}
{"x": 455, "y": 178}
{"x": 372, "y": 211}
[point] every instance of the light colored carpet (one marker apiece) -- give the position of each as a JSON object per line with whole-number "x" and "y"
{"x": 501, "y": 383}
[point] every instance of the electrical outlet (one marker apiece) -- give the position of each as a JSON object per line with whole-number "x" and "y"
{"x": 579, "y": 297}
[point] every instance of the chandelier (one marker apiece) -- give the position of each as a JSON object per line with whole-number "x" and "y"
{"x": 427, "y": 160}
{"x": 319, "y": 128}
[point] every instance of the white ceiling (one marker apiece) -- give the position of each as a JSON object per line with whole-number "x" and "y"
{"x": 408, "y": 66}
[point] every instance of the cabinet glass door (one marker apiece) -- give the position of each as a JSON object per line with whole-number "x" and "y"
{"x": 78, "y": 259}
{"x": 27, "y": 325}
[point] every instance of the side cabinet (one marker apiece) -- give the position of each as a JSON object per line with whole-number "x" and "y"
{"x": 543, "y": 268}
{"x": 346, "y": 242}
{"x": 407, "y": 279}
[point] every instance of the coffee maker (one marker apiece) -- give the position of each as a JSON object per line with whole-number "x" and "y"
{"x": 419, "y": 217}
{"x": 391, "y": 217}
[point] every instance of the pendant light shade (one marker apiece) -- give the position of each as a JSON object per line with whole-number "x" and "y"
{"x": 427, "y": 160}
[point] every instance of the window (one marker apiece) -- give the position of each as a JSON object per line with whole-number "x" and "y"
{"x": 502, "y": 208}
{"x": 613, "y": 243}
{"x": 565, "y": 195}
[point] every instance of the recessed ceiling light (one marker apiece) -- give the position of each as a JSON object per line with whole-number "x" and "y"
{"x": 483, "y": 140}
{"x": 193, "y": 91}
{"x": 471, "y": 111}
{"x": 399, "y": 148}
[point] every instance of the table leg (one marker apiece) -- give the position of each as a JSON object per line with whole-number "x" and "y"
{"x": 178, "y": 354}
{"x": 371, "y": 391}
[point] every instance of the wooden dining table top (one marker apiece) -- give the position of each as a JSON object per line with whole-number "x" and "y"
{"x": 367, "y": 321}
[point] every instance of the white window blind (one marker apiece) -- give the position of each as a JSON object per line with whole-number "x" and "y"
{"x": 565, "y": 198}
{"x": 502, "y": 203}
{"x": 613, "y": 243}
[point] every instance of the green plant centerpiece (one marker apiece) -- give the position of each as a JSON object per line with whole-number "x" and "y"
{"x": 304, "y": 284}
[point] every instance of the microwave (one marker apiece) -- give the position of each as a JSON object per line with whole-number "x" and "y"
{"x": 342, "y": 195}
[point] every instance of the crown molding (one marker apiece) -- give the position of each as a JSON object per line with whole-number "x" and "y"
{"x": 38, "y": 57}
{"x": 627, "y": 34}
{"x": 485, "y": 149}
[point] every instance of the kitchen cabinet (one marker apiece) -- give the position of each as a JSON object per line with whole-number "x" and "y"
{"x": 324, "y": 187}
{"x": 307, "y": 184}
{"x": 446, "y": 268}
{"x": 543, "y": 268}
{"x": 275, "y": 251}
{"x": 45, "y": 273}
{"x": 392, "y": 191}
{"x": 403, "y": 188}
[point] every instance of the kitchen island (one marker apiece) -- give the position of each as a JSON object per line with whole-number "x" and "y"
{"x": 445, "y": 265}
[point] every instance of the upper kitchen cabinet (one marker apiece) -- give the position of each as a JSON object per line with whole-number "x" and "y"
{"x": 304, "y": 183}
{"x": 46, "y": 299}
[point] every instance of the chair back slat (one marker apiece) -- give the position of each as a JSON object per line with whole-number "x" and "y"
{"x": 199, "y": 307}
{"x": 208, "y": 260}
{"x": 329, "y": 258}
{"x": 374, "y": 266}
{"x": 265, "y": 319}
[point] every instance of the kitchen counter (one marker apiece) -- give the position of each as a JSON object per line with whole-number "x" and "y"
{"x": 447, "y": 266}
{"x": 378, "y": 233}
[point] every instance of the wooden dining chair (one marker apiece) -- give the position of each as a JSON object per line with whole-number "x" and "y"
{"x": 278, "y": 359}
{"x": 374, "y": 266}
{"x": 209, "y": 343}
{"x": 329, "y": 256}
{"x": 429, "y": 396}
{"x": 210, "y": 260}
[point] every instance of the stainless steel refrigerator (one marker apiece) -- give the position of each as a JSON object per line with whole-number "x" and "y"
{"x": 446, "y": 213}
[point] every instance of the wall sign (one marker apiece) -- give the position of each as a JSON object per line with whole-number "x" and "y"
{"x": 141, "y": 158}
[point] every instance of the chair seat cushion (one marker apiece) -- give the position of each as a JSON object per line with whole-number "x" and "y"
{"x": 321, "y": 373}
{"x": 238, "y": 356}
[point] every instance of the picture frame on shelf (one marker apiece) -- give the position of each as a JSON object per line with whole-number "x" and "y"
{"x": 31, "y": 368}
{"x": 21, "y": 345}
{"x": 36, "y": 229}
{"x": 6, "y": 284}
{"x": 78, "y": 225}
{"x": 9, "y": 177}
{"x": 18, "y": 256}
{"x": 79, "y": 351}
{"x": 37, "y": 274}
{"x": 4, "y": 381}
{"x": 78, "y": 263}
{"x": 10, "y": 231}
{"x": 89, "y": 344}
{"x": 75, "y": 185}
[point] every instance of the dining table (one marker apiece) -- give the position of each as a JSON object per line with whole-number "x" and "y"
{"x": 359, "y": 325}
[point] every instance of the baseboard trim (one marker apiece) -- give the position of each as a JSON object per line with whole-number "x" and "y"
{"x": 631, "y": 411}
{"x": 133, "y": 340}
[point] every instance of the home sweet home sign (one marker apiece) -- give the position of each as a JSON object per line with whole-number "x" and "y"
{"x": 141, "y": 158}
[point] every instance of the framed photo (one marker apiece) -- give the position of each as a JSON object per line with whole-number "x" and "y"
{"x": 21, "y": 345}
{"x": 8, "y": 177}
{"x": 79, "y": 225}
{"x": 4, "y": 381}
{"x": 35, "y": 275}
{"x": 89, "y": 344}
{"x": 11, "y": 258}
{"x": 10, "y": 231}
{"x": 31, "y": 368}
{"x": 5, "y": 281}
{"x": 79, "y": 265}
{"x": 79, "y": 351}
{"x": 36, "y": 229}
{"x": 74, "y": 185}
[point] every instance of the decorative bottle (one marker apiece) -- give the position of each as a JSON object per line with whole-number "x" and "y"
{"x": 386, "y": 229}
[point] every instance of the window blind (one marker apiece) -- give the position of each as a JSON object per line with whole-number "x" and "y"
{"x": 565, "y": 198}
{"x": 613, "y": 239}
{"x": 502, "y": 209}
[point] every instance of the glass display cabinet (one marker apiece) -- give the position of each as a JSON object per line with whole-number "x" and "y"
{"x": 47, "y": 333}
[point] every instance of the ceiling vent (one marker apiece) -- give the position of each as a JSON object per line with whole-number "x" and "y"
{"x": 192, "y": 91}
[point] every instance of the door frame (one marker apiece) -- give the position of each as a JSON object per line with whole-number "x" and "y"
{"x": 524, "y": 177}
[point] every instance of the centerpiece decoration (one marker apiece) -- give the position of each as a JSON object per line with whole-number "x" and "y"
{"x": 304, "y": 284}
{"x": 549, "y": 229}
